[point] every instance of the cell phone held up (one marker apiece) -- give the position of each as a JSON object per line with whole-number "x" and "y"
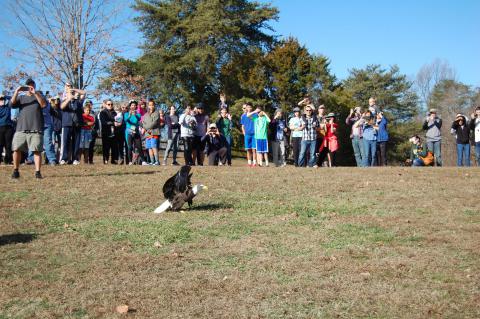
{"x": 24, "y": 89}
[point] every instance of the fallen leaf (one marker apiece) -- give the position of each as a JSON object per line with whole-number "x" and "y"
{"x": 365, "y": 275}
{"x": 122, "y": 309}
{"x": 157, "y": 244}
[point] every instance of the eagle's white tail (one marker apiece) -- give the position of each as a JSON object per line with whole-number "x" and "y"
{"x": 160, "y": 209}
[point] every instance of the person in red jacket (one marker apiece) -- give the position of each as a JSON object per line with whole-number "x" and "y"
{"x": 329, "y": 145}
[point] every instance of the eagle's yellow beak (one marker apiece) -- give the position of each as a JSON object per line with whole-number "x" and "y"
{"x": 205, "y": 187}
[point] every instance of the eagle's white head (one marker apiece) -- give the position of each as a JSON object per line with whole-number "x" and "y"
{"x": 198, "y": 188}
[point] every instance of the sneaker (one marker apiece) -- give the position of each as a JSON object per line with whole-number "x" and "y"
{"x": 164, "y": 163}
{"x": 145, "y": 164}
{"x": 75, "y": 162}
{"x": 15, "y": 174}
{"x": 38, "y": 175}
{"x": 156, "y": 163}
{"x": 62, "y": 162}
{"x": 131, "y": 163}
{"x": 176, "y": 163}
{"x": 220, "y": 164}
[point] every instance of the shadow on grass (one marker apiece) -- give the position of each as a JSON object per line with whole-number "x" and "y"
{"x": 211, "y": 206}
{"x": 16, "y": 239}
{"x": 105, "y": 174}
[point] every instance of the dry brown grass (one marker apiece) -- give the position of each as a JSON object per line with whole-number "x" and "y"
{"x": 261, "y": 243}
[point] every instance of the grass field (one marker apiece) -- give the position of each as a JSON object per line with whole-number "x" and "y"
{"x": 260, "y": 243}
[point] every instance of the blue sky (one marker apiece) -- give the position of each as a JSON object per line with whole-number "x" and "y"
{"x": 354, "y": 34}
{"x": 408, "y": 33}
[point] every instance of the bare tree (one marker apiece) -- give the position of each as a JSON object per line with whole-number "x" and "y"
{"x": 430, "y": 75}
{"x": 69, "y": 39}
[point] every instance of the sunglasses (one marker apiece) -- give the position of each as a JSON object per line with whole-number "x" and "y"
{"x": 109, "y": 104}
{"x": 308, "y": 110}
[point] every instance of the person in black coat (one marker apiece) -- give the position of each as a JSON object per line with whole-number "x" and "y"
{"x": 216, "y": 146}
{"x": 107, "y": 122}
{"x": 462, "y": 131}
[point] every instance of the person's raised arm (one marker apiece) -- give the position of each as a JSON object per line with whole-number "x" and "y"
{"x": 13, "y": 101}
{"x": 302, "y": 125}
{"x": 266, "y": 115}
{"x": 250, "y": 114}
{"x": 66, "y": 101}
{"x": 39, "y": 97}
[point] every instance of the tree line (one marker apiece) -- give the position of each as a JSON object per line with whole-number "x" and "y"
{"x": 194, "y": 50}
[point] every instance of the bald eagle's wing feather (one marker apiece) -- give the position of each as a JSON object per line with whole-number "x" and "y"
{"x": 169, "y": 187}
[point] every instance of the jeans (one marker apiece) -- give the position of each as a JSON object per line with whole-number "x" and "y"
{"x": 91, "y": 147}
{"x": 463, "y": 152}
{"x": 229, "y": 149}
{"x": 296, "y": 145}
{"x": 57, "y": 143}
{"x": 172, "y": 145}
{"x": 85, "y": 138}
{"x": 311, "y": 146}
{"x": 477, "y": 153}
{"x": 418, "y": 162}
{"x": 6, "y": 137}
{"x": 436, "y": 148}
{"x": 382, "y": 153}
{"x": 187, "y": 150}
{"x": 358, "y": 150}
{"x": 134, "y": 143}
{"x": 278, "y": 152}
{"x": 70, "y": 143}
{"x": 370, "y": 151}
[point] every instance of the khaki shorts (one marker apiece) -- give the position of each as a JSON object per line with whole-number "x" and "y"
{"x": 23, "y": 142}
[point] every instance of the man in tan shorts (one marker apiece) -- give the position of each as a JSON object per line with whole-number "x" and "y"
{"x": 29, "y": 132}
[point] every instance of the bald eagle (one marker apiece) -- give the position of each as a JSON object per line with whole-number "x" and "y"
{"x": 178, "y": 190}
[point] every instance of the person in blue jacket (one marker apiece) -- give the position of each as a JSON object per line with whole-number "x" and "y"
{"x": 6, "y": 130}
{"x": 382, "y": 139}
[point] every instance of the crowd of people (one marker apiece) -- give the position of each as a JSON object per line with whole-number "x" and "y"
{"x": 66, "y": 128}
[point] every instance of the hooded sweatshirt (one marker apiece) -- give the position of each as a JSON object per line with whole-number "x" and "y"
{"x": 433, "y": 129}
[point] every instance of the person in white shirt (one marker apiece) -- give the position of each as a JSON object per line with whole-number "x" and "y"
{"x": 475, "y": 127}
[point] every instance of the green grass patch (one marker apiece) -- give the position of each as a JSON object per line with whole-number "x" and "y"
{"x": 346, "y": 235}
{"x": 139, "y": 233}
{"x": 49, "y": 222}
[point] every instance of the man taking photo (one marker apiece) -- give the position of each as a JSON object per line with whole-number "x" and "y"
{"x": 29, "y": 132}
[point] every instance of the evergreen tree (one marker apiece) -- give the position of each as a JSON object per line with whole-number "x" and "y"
{"x": 394, "y": 93}
{"x": 189, "y": 41}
